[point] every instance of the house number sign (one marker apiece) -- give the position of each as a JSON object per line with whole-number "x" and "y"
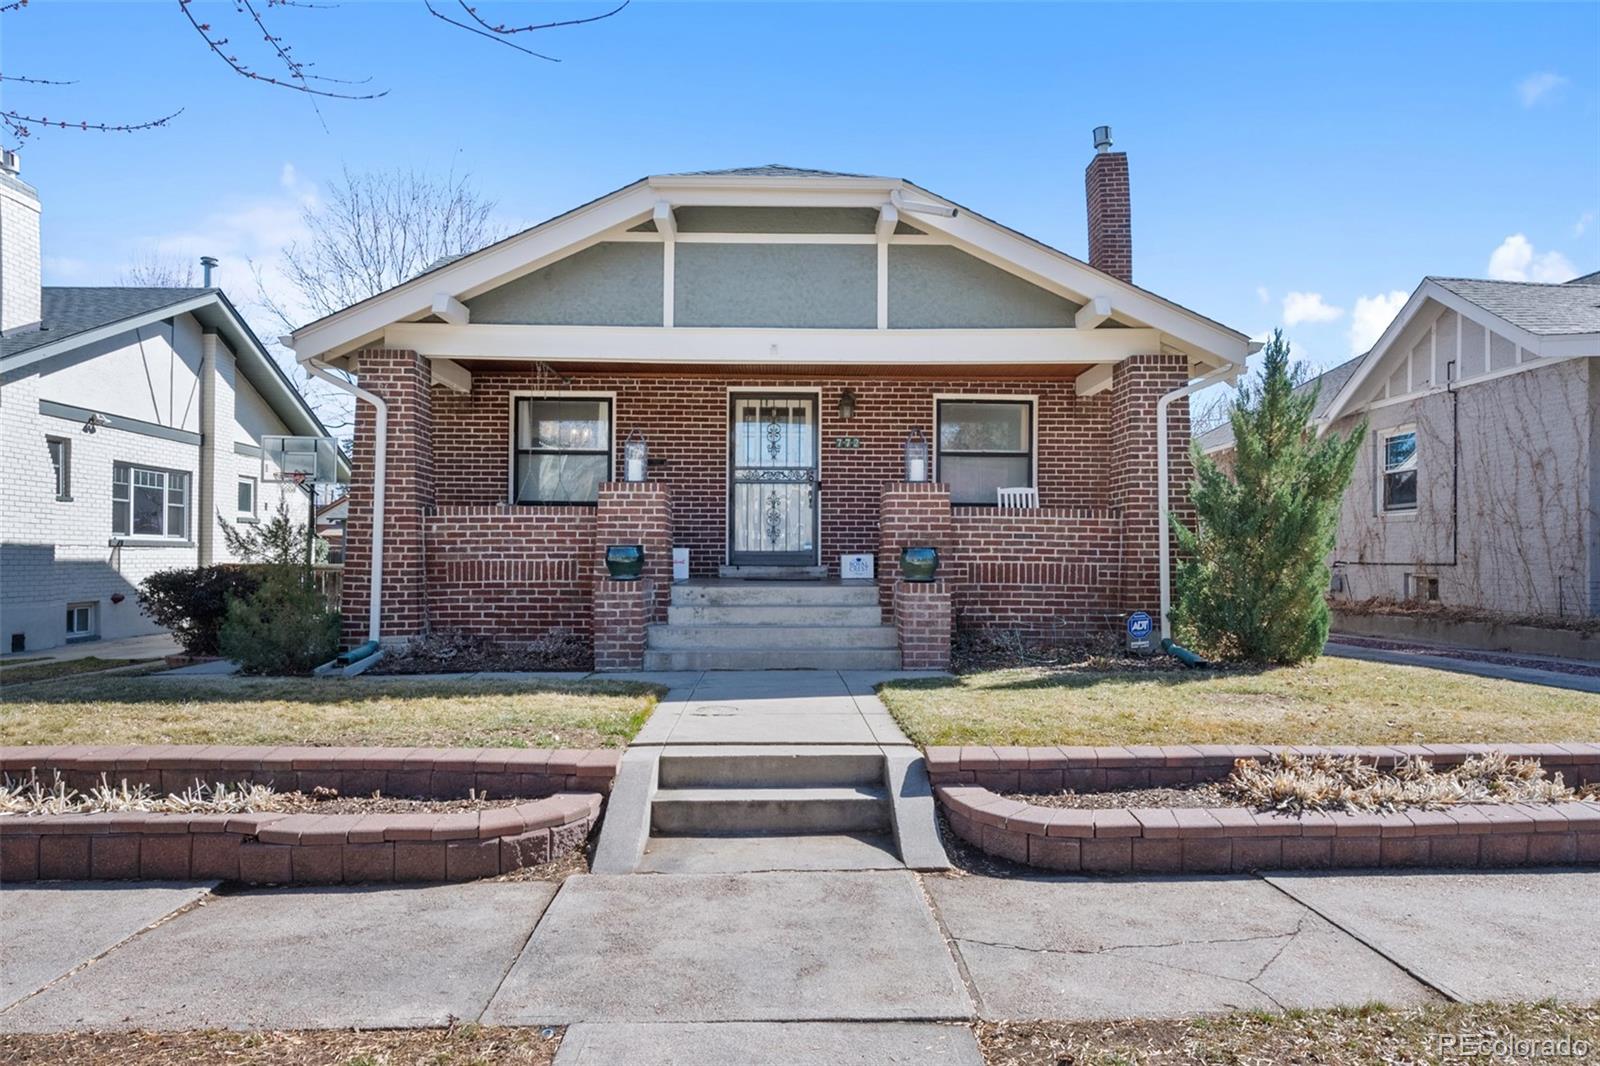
{"x": 847, "y": 442}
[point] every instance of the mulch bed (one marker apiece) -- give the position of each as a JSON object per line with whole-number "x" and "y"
{"x": 332, "y": 803}
{"x": 455, "y": 652}
{"x": 464, "y": 1045}
{"x": 1207, "y": 795}
{"x": 976, "y": 650}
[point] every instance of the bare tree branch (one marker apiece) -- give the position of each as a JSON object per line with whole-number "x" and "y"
{"x": 502, "y": 28}
{"x": 218, "y": 46}
{"x": 21, "y": 125}
{"x": 485, "y": 33}
{"x": 33, "y": 81}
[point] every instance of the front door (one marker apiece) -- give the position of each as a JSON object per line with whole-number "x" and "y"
{"x": 772, "y": 479}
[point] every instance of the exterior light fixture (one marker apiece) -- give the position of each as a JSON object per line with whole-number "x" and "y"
{"x": 635, "y": 457}
{"x": 847, "y": 405}
{"x": 916, "y": 455}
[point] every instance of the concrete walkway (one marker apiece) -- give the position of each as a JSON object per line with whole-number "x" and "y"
{"x": 786, "y": 967}
{"x": 152, "y": 646}
{"x": 1478, "y": 667}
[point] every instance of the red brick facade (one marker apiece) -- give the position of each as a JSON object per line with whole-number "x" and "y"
{"x": 1106, "y": 191}
{"x": 458, "y": 556}
{"x": 922, "y": 616}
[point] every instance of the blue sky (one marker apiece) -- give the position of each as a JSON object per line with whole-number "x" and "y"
{"x": 1292, "y": 164}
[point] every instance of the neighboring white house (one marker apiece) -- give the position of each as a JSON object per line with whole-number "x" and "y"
{"x": 1479, "y": 486}
{"x": 130, "y": 419}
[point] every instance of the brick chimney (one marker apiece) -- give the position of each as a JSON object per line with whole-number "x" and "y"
{"x": 19, "y": 247}
{"x": 1105, "y": 186}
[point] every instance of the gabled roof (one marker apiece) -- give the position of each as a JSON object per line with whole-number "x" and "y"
{"x": 73, "y": 317}
{"x": 363, "y": 323}
{"x": 68, "y": 311}
{"x": 1329, "y": 382}
{"x": 1543, "y": 309}
{"x": 1551, "y": 321}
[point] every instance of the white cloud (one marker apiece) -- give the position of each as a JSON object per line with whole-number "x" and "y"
{"x": 1301, "y": 307}
{"x": 1263, "y": 294}
{"x": 1517, "y": 260}
{"x": 1372, "y": 316}
{"x": 1541, "y": 86}
{"x": 1585, "y": 220}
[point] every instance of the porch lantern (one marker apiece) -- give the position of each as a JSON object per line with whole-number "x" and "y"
{"x": 847, "y": 405}
{"x": 635, "y": 457}
{"x": 916, "y": 455}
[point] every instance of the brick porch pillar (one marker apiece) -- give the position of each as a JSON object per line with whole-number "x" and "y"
{"x": 403, "y": 380}
{"x": 638, "y": 513}
{"x": 923, "y": 618}
{"x": 621, "y": 611}
{"x": 1136, "y": 384}
{"x": 917, "y": 514}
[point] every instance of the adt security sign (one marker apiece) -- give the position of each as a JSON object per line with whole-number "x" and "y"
{"x": 1140, "y": 629}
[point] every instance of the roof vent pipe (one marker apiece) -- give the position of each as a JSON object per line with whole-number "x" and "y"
{"x": 207, "y": 263}
{"x": 1102, "y": 138}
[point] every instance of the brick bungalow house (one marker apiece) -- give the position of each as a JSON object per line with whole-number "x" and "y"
{"x": 775, "y": 336}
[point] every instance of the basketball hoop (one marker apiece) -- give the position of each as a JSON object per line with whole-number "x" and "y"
{"x": 302, "y": 460}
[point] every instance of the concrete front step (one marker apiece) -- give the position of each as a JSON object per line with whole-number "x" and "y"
{"x": 827, "y": 638}
{"x": 773, "y": 573}
{"x": 770, "y": 766}
{"x": 745, "y": 658}
{"x": 734, "y": 811}
{"x": 775, "y": 594}
{"x": 797, "y": 614}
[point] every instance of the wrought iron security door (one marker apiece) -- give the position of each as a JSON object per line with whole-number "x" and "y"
{"x": 772, "y": 495}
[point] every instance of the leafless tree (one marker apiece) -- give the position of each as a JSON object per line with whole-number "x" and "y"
{"x": 370, "y": 231}
{"x": 154, "y": 271}
{"x": 276, "y": 64}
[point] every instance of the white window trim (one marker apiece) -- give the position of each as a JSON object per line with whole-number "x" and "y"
{"x": 1032, "y": 400}
{"x": 255, "y": 496}
{"x": 511, "y": 437}
{"x": 93, "y": 632}
{"x": 166, "y": 538}
{"x": 1384, "y": 436}
{"x": 64, "y": 482}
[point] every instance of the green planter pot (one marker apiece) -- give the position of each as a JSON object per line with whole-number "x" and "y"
{"x": 625, "y": 562}
{"x": 919, "y": 564}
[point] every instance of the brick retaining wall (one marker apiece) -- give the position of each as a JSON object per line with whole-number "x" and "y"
{"x": 278, "y": 848}
{"x": 1232, "y": 839}
{"x": 566, "y": 788}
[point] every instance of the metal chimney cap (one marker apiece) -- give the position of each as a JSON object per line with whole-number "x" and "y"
{"x": 1102, "y": 138}
{"x": 207, "y": 264}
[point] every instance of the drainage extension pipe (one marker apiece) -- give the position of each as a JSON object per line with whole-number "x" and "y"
{"x": 1182, "y": 654}
{"x": 1227, "y": 373}
{"x": 380, "y": 449}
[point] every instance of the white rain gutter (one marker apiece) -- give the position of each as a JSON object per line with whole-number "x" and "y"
{"x": 380, "y": 446}
{"x": 1228, "y": 374}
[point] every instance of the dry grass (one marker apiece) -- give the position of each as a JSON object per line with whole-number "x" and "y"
{"x": 20, "y": 671}
{"x": 410, "y": 712}
{"x": 1343, "y": 783}
{"x": 1332, "y": 701}
{"x": 1341, "y": 1037}
{"x": 464, "y": 1045}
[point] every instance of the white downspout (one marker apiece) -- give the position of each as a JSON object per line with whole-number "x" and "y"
{"x": 1229, "y": 373}
{"x": 380, "y": 447}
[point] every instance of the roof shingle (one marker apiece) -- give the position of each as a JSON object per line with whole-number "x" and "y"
{"x": 1543, "y": 309}
{"x": 68, "y": 310}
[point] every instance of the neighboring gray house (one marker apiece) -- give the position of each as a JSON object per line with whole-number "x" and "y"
{"x": 129, "y": 419}
{"x": 1480, "y": 480}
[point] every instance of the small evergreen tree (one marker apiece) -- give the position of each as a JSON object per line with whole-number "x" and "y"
{"x": 283, "y": 627}
{"x": 280, "y": 539}
{"x": 1253, "y": 575}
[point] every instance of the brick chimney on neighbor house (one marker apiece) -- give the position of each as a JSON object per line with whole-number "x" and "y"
{"x": 19, "y": 247}
{"x": 1105, "y": 186}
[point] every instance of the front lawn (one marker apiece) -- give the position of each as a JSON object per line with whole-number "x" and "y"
{"x": 20, "y": 670}
{"x": 1332, "y": 701}
{"x": 405, "y": 713}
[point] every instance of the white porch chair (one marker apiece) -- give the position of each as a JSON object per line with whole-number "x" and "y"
{"x": 1019, "y": 497}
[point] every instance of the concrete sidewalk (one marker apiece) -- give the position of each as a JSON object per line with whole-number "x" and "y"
{"x": 1529, "y": 675}
{"x": 773, "y": 967}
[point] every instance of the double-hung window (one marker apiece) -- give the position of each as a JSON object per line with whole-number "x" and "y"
{"x": 146, "y": 502}
{"x": 1399, "y": 457}
{"x": 984, "y": 446}
{"x": 247, "y": 497}
{"x": 562, "y": 449}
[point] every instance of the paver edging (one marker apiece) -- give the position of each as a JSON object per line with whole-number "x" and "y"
{"x": 287, "y": 848}
{"x": 425, "y": 773}
{"x": 1237, "y": 839}
{"x": 1097, "y": 769}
